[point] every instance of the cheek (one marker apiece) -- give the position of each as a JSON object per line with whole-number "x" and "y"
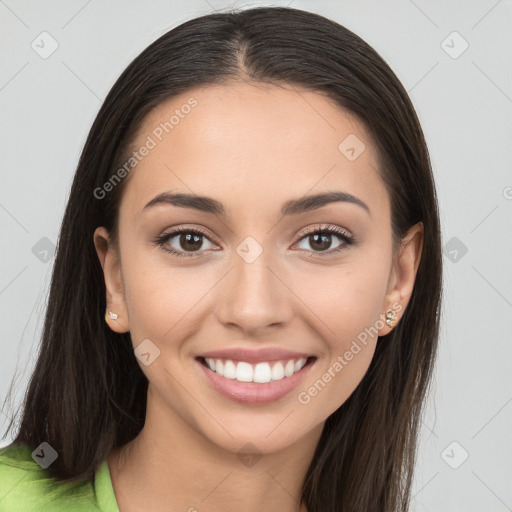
{"x": 349, "y": 303}
{"x": 345, "y": 300}
{"x": 162, "y": 300}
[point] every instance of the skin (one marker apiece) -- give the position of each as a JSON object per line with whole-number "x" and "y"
{"x": 251, "y": 147}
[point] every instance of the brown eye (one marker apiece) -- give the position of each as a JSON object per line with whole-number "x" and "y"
{"x": 321, "y": 240}
{"x": 185, "y": 242}
{"x": 190, "y": 241}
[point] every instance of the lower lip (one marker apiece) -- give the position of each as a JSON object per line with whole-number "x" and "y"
{"x": 254, "y": 393}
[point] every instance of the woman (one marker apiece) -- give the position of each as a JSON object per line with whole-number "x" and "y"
{"x": 244, "y": 309}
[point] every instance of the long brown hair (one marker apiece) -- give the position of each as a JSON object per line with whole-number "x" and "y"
{"x": 87, "y": 393}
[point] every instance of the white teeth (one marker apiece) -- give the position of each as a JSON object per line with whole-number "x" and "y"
{"x": 229, "y": 370}
{"x": 289, "y": 369}
{"x": 299, "y": 364}
{"x": 260, "y": 373}
{"x": 244, "y": 372}
{"x": 277, "y": 371}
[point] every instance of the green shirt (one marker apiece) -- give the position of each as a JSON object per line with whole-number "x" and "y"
{"x": 27, "y": 487}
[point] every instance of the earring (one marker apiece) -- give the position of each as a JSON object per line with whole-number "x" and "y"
{"x": 391, "y": 317}
{"x": 112, "y": 316}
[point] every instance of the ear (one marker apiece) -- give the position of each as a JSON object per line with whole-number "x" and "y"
{"x": 110, "y": 262}
{"x": 403, "y": 275}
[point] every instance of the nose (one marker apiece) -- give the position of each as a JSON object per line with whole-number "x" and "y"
{"x": 254, "y": 297}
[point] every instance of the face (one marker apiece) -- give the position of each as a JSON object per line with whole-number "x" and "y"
{"x": 256, "y": 273}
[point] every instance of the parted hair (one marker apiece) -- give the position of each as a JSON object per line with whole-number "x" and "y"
{"x": 87, "y": 393}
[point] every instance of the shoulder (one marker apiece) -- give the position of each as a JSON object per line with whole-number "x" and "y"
{"x": 26, "y": 486}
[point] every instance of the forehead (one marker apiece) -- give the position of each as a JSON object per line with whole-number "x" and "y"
{"x": 244, "y": 144}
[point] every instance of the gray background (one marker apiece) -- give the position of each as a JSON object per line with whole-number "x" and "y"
{"x": 464, "y": 101}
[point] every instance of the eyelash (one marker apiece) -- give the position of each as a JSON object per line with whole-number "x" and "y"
{"x": 343, "y": 235}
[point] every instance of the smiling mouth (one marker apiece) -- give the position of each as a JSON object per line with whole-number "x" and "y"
{"x": 259, "y": 373}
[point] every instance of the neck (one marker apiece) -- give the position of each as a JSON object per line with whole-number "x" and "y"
{"x": 171, "y": 466}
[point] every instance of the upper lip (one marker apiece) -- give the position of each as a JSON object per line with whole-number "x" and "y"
{"x": 254, "y": 356}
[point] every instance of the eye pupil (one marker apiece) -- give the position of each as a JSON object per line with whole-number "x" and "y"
{"x": 192, "y": 239}
{"x": 321, "y": 241}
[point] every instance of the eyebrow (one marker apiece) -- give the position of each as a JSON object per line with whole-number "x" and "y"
{"x": 292, "y": 207}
